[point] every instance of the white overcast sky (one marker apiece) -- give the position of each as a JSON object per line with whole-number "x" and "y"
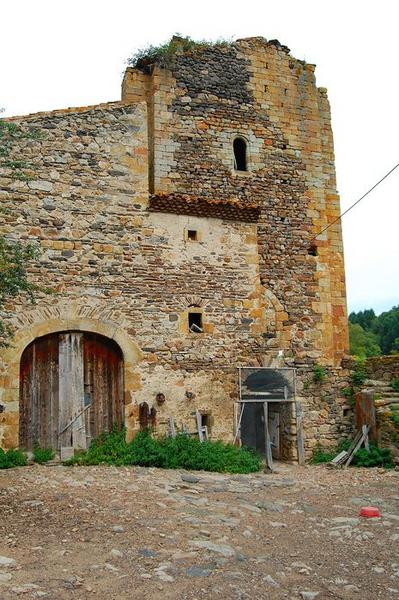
{"x": 55, "y": 54}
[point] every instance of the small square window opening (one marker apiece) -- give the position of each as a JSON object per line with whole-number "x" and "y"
{"x": 195, "y": 322}
{"x": 192, "y": 235}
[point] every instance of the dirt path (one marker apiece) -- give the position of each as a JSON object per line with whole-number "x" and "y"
{"x": 110, "y": 533}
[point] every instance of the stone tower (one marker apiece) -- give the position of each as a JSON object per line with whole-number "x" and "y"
{"x": 255, "y": 91}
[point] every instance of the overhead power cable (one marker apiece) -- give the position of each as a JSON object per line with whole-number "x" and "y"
{"x": 357, "y": 202}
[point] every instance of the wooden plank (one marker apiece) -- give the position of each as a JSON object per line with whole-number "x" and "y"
{"x": 299, "y": 433}
{"x": 172, "y": 428}
{"x": 71, "y": 390}
{"x": 237, "y": 437}
{"x": 355, "y": 447}
{"x": 268, "y": 449}
{"x": 199, "y": 426}
{"x": 339, "y": 458}
{"x": 262, "y": 400}
{"x": 274, "y": 428}
{"x": 365, "y": 430}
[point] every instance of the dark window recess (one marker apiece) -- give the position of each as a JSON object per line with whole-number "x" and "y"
{"x": 312, "y": 250}
{"x": 206, "y": 422}
{"x": 192, "y": 234}
{"x": 240, "y": 154}
{"x": 195, "y": 322}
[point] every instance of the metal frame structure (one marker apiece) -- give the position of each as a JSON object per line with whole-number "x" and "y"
{"x": 259, "y": 397}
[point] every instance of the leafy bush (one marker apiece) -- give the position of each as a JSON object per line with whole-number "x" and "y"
{"x": 322, "y": 456}
{"x": 42, "y": 455}
{"x": 181, "y": 452}
{"x": 12, "y": 458}
{"x": 319, "y": 374}
{"x": 395, "y": 420}
{"x": 395, "y": 384}
{"x": 164, "y": 53}
{"x": 375, "y": 457}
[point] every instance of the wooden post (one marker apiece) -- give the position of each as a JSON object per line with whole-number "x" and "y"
{"x": 269, "y": 458}
{"x": 172, "y": 429}
{"x": 365, "y": 413}
{"x": 199, "y": 425}
{"x": 71, "y": 391}
{"x": 299, "y": 433}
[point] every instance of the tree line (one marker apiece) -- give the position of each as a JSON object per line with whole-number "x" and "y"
{"x": 372, "y": 335}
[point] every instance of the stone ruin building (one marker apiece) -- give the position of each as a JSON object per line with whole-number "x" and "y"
{"x": 177, "y": 233}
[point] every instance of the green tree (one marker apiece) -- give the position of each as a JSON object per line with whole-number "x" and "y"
{"x": 387, "y": 328}
{"x": 362, "y": 343}
{"x": 365, "y": 318}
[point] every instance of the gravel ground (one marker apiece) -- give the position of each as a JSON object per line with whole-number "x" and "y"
{"x": 105, "y": 532}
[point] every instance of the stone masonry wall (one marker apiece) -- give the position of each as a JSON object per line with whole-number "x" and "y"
{"x": 123, "y": 270}
{"x": 257, "y": 90}
{"x": 111, "y": 263}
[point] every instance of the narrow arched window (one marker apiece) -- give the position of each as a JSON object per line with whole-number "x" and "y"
{"x": 240, "y": 154}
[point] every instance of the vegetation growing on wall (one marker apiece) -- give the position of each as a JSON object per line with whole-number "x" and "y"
{"x": 14, "y": 256}
{"x": 319, "y": 374}
{"x": 371, "y": 335}
{"x": 163, "y": 54}
{"x": 357, "y": 378}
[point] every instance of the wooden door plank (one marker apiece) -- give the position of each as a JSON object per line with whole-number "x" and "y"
{"x": 71, "y": 390}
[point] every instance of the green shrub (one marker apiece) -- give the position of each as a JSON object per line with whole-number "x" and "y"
{"x": 375, "y": 457}
{"x": 12, "y": 458}
{"x": 42, "y": 455}
{"x": 322, "y": 456}
{"x": 359, "y": 374}
{"x": 395, "y": 420}
{"x": 163, "y": 54}
{"x": 181, "y": 452}
{"x": 319, "y": 374}
{"x": 395, "y": 384}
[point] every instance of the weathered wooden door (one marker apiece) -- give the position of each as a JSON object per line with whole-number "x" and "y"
{"x": 71, "y": 389}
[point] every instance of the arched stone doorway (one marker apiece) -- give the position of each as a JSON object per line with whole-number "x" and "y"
{"x": 71, "y": 389}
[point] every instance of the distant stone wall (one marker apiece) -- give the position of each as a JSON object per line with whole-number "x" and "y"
{"x": 384, "y": 368}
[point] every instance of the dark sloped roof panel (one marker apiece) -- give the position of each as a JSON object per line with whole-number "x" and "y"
{"x": 181, "y": 204}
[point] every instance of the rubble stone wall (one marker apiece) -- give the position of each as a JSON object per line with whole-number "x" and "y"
{"x": 256, "y": 90}
{"x": 114, "y": 266}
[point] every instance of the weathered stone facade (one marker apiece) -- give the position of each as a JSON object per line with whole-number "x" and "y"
{"x": 100, "y": 183}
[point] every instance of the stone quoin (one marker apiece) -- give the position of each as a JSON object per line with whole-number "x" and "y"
{"x": 179, "y": 225}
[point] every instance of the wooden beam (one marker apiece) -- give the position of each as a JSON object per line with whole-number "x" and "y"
{"x": 268, "y": 448}
{"x": 299, "y": 433}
